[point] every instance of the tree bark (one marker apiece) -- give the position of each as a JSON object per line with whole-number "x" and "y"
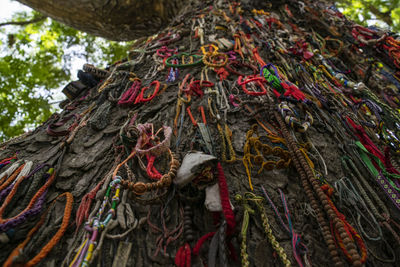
{"x": 115, "y": 20}
{"x": 99, "y": 133}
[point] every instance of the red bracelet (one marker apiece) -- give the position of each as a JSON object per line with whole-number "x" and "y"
{"x": 140, "y": 98}
{"x": 164, "y": 52}
{"x": 195, "y": 87}
{"x": 252, "y": 78}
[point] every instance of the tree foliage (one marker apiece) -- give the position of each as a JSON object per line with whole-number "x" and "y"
{"x": 35, "y": 61}
{"x": 381, "y": 12}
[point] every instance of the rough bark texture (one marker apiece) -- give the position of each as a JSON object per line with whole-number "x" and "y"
{"x": 103, "y": 134}
{"x": 115, "y": 20}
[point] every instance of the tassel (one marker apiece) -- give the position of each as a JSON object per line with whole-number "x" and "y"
{"x": 183, "y": 257}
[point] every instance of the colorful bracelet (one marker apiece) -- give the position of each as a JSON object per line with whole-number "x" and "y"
{"x": 50, "y": 128}
{"x": 215, "y": 60}
{"x": 165, "y": 52}
{"x": 140, "y": 188}
{"x": 11, "y": 260}
{"x": 169, "y": 63}
{"x": 33, "y": 208}
{"x": 290, "y": 119}
{"x": 252, "y": 78}
{"x": 141, "y": 98}
{"x": 213, "y": 49}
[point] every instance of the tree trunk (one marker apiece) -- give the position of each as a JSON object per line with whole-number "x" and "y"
{"x": 115, "y": 20}
{"x": 302, "y": 150}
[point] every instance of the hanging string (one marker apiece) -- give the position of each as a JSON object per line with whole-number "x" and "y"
{"x": 297, "y": 245}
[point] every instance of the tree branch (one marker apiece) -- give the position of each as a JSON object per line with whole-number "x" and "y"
{"x": 384, "y": 16}
{"x": 22, "y": 23}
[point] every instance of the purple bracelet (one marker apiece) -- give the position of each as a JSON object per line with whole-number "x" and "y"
{"x": 389, "y": 190}
{"x": 23, "y": 217}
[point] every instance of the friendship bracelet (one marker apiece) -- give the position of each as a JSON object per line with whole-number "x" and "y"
{"x": 252, "y": 78}
{"x": 198, "y": 58}
{"x": 141, "y": 98}
{"x": 140, "y": 188}
{"x": 215, "y": 60}
{"x": 245, "y": 200}
{"x": 33, "y": 208}
{"x": 13, "y": 257}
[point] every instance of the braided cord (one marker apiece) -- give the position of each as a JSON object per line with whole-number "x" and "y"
{"x": 245, "y": 225}
{"x": 267, "y": 228}
{"x": 53, "y": 241}
{"x": 295, "y": 238}
{"x": 371, "y": 192}
{"x": 226, "y": 138}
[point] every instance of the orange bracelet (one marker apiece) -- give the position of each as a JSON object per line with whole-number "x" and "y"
{"x": 31, "y": 203}
{"x": 53, "y": 241}
{"x": 203, "y": 115}
{"x": 141, "y": 98}
{"x": 238, "y": 46}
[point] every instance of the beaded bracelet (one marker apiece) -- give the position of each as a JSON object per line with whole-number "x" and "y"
{"x": 11, "y": 260}
{"x": 350, "y": 231}
{"x": 140, "y": 188}
{"x": 143, "y": 132}
{"x": 168, "y": 61}
{"x": 310, "y": 184}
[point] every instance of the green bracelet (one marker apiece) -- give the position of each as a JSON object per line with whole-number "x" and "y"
{"x": 169, "y": 64}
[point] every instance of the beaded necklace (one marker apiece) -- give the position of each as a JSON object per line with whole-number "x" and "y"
{"x": 310, "y": 183}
